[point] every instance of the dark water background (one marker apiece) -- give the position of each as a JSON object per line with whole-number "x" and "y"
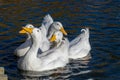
{"x": 101, "y": 16}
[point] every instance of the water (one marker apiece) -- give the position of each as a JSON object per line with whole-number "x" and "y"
{"x": 101, "y": 16}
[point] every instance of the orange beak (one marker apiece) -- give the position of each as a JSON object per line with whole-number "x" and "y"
{"x": 25, "y": 30}
{"x": 63, "y": 31}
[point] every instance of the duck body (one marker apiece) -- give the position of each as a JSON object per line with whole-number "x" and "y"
{"x": 23, "y": 48}
{"x": 51, "y": 59}
{"x": 80, "y": 46}
{"x": 45, "y": 45}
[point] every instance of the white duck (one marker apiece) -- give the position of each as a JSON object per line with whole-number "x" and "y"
{"x": 80, "y": 46}
{"x": 51, "y": 59}
{"x": 24, "y": 47}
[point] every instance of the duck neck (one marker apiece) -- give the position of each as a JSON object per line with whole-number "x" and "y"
{"x": 35, "y": 45}
{"x": 28, "y": 36}
{"x": 58, "y": 43}
{"x": 34, "y": 48}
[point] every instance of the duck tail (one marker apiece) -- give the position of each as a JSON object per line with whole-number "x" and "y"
{"x": 85, "y": 33}
{"x": 47, "y": 21}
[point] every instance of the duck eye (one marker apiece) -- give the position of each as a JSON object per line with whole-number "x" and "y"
{"x": 63, "y": 38}
{"x": 29, "y": 26}
{"x": 37, "y": 30}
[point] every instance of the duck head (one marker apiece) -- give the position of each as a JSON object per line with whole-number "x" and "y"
{"x": 27, "y": 26}
{"x": 59, "y": 26}
{"x": 34, "y": 32}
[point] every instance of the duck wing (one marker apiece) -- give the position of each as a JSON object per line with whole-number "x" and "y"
{"x": 80, "y": 46}
{"x": 47, "y": 21}
{"x": 84, "y": 34}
